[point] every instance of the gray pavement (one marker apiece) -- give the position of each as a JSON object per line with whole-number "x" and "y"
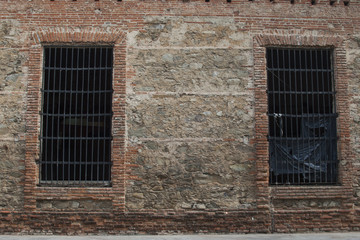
{"x": 305, "y": 236}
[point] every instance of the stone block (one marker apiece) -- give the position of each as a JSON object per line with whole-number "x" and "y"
{"x": 11, "y": 70}
{"x": 11, "y": 33}
{"x": 12, "y": 109}
{"x": 11, "y": 174}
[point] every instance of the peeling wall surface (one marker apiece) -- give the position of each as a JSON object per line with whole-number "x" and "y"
{"x": 190, "y": 150}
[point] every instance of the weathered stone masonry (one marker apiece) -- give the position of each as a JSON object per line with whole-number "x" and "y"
{"x": 189, "y": 150}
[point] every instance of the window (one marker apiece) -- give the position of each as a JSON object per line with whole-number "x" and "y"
{"x": 76, "y": 115}
{"x": 302, "y": 116}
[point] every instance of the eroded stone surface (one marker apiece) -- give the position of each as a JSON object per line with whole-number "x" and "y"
{"x": 12, "y": 122}
{"x": 189, "y": 93}
{"x": 11, "y": 72}
{"x": 11, "y": 174}
{"x": 81, "y": 204}
{"x": 353, "y": 58}
{"x": 191, "y": 116}
{"x": 307, "y": 204}
{"x": 12, "y": 116}
{"x": 11, "y": 34}
{"x": 164, "y": 31}
{"x": 209, "y": 70}
{"x": 192, "y": 175}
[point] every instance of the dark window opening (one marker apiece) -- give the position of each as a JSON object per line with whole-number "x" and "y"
{"x": 302, "y": 116}
{"x": 76, "y": 115}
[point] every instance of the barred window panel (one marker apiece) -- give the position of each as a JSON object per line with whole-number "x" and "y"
{"x": 302, "y": 116}
{"x": 76, "y": 115}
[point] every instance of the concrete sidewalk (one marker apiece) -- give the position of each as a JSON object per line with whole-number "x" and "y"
{"x": 305, "y": 236}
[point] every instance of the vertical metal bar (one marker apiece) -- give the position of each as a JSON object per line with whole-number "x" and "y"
{"x": 82, "y": 118}
{"x": 323, "y": 112}
{"x": 327, "y": 94}
{"x": 290, "y": 70}
{"x": 78, "y": 120}
{"x": 300, "y": 142}
{"x": 267, "y": 57}
{"x": 87, "y": 116}
{"x": 105, "y": 117}
{"x": 99, "y": 119}
{"x": 74, "y": 67}
{"x": 64, "y": 123}
{"x": 332, "y": 105}
{"x": 58, "y": 119}
{"x": 70, "y": 162}
{"x": 275, "y": 140}
{"x": 272, "y": 96}
{"x": 333, "y": 110}
{"x": 284, "y": 106}
{"x": 317, "y": 90}
{"x": 280, "y": 105}
{"x": 313, "y": 78}
{"x": 311, "y": 93}
{"x": 46, "y": 131}
{"x": 52, "y": 121}
{"x": 308, "y": 70}
{"x": 93, "y": 118}
{"x": 296, "y": 54}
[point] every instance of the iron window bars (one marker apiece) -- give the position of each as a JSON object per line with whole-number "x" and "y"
{"x": 76, "y": 115}
{"x": 302, "y": 116}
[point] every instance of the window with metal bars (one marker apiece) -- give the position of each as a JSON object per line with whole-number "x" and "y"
{"x": 302, "y": 116}
{"x": 76, "y": 115}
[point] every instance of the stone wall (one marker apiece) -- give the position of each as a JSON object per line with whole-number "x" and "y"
{"x": 190, "y": 152}
{"x": 12, "y": 118}
{"x": 353, "y": 58}
{"x": 190, "y": 111}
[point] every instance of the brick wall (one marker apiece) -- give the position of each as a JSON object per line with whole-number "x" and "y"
{"x": 189, "y": 149}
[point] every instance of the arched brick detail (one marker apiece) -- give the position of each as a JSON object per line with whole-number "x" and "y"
{"x": 298, "y": 40}
{"x": 78, "y": 35}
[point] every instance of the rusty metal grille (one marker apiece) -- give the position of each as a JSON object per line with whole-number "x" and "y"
{"x": 76, "y": 115}
{"x": 302, "y": 116}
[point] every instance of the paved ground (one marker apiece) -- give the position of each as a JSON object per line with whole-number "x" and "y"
{"x": 318, "y": 236}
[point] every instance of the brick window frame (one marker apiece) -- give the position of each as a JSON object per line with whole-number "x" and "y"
{"x": 33, "y": 192}
{"x": 265, "y": 191}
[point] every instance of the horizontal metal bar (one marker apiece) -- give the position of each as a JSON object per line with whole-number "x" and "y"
{"x": 332, "y": 183}
{"x": 299, "y": 139}
{"x": 76, "y": 114}
{"x": 301, "y": 92}
{"x": 77, "y": 91}
{"x": 80, "y": 183}
{"x": 76, "y": 138}
{"x": 78, "y": 163}
{"x": 299, "y": 70}
{"x": 103, "y": 46}
{"x": 314, "y": 115}
{"x": 78, "y": 69}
